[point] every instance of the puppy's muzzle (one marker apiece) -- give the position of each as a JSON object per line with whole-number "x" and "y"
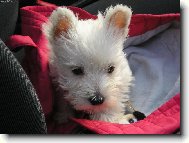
{"x": 97, "y": 99}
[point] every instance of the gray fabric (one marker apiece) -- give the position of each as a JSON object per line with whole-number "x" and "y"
{"x": 155, "y": 63}
{"x": 20, "y": 110}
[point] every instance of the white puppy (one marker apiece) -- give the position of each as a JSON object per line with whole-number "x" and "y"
{"x": 87, "y": 64}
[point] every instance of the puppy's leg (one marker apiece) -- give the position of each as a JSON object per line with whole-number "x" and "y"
{"x": 115, "y": 118}
{"x": 126, "y": 119}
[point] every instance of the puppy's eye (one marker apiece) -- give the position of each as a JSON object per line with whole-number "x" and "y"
{"x": 78, "y": 71}
{"x": 110, "y": 69}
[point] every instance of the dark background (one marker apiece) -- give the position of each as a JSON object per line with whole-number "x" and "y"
{"x": 10, "y": 19}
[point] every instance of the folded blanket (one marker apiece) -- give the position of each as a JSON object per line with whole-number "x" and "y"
{"x": 154, "y": 58}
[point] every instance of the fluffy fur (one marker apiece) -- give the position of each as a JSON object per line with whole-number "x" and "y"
{"x": 93, "y": 45}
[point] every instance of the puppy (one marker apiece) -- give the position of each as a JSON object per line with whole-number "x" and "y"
{"x": 87, "y": 65}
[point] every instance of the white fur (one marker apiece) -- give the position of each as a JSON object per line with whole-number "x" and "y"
{"x": 94, "y": 46}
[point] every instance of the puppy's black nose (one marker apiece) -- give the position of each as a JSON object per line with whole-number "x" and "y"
{"x": 96, "y": 99}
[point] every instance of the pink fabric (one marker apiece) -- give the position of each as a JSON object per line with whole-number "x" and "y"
{"x": 141, "y": 23}
{"x": 163, "y": 121}
{"x": 20, "y": 41}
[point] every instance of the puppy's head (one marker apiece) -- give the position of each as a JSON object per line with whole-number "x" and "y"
{"x": 86, "y": 58}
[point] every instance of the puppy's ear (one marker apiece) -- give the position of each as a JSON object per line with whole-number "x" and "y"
{"x": 61, "y": 21}
{"x": 118, "y": 18}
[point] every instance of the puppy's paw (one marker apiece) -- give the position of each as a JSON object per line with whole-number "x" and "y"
{"x": 127, "y": 119}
